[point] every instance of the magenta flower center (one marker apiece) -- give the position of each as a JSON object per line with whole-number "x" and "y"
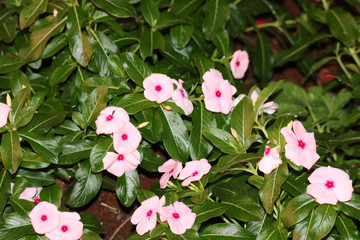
{"x": 43, "y": 218}
{"x": 158, "y": 88}
{"x": 195, "y": 173}
{"x": 37, "y": 200}
{"x": 176, "y": 215}
{"x": 120, "y": 157}
{"x": 64, "y": 228}
{"x": 109, "y": 118}
{"x": 182, "y": 92}
{"x": 218, "y": 93}
{"x": 267, "y": 151}
{"x": 237, "y": 63}
{"x": 124, "y": 136}
{"x": 171, "y": 170}
{"x": 301, "y": 144}
{"x": 148, "y": 214}
{"x": 329, "y": 184}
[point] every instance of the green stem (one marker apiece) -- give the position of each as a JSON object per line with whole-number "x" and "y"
{"x": 314, "y": 118}
{"x": 354, "y": 56}
{"x": 338, "y": 58}
{"x": 325, "y": 5}
{"x": 253, "y": 170}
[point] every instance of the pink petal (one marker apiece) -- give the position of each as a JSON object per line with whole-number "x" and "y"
{"x": 204, "y": 165}
{"x": 164, "y": 83}
{"x": 109, "y": 159}
{"x": 4, "y": 113}
{"x": 319, "y": 175}
{"x": 299, "y": 130}
{"x": 239, "y": 63}
{"x": 309, "y": 158}
{"x": 293, "y": 153}
{"x": 127, "y": 140}
{"x": 321, "y": 194}
{"x": 166, "y": 213}
{"x": 343, "y": 190}
{"x": 188, "y": 170}
{"x": 212, "y": 104}
{"x": 164, "y": 180}
{"x": 44, "y": 217}
{"x": 117, "y": 169}
{"x": 289, "y": 136}
{"x": 254, "y": 96}
{"x": 176, "y": 227}
{"x": 337, "y": 174}
{"x": 226, "y": 104}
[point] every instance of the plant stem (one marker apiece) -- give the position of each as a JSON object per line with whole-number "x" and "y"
{"x": 325, "y": 5}
{"x": 338, "y": 58}
{"x": 354, "y": 56}
{"x": 314, "y": 118}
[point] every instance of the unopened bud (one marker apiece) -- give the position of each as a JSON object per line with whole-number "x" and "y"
{"x": 141, "y": 125}
{"x": 290, "y": 125}
{"x": 8, "y": 100}
{"x": 234, "y": 133}
{"x": 55, "y": 12}
{"x": 23, "y": 86}
{"x": 167, "y": 107}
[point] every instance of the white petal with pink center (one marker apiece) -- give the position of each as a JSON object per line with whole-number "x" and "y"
{"x": 158, "y": 87}
{"x": 181, "y": 98}
{"x": 194, "y": 171}
{"x": 124, "y": 163}
{"x": 70, "y": 227}
{"x": 239, "y": 64}
{"x": 127, "y": 139}
{"x": 170, "y": 168}
{"x": 271, "y": 159}
{"x": 44, "y": 217}
{"x": 110, "y": 120}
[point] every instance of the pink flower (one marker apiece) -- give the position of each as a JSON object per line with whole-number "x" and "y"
{"x": 170, "y": 168}
{"x": 239, "y": 64}
{"x": 127, "y": 139}
{"x": 44, "y": 217}
{"x": 217, "y": 92}
{"x": 300, "y": 146}
{"x": 329, "y": 185}
{"x": 118, "y": 164}
{"x": 194, "y": 170}
{"x": 4, "y": 113}
{"x": 145, "y": 216}
{"x": 179, "y": 217}
{"x": 31, "y": 194}
{"x": 269, "y": 107}
{"x": 158, "y": 88}
{"x": 181, "y": 98}
{"x": 271, "y": 159}
{"x": 110, "y": 120}
{"x": 69, "y": 227}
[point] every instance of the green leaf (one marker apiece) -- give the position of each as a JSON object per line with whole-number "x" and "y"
{"x": 91, "y": 222}
{"x": 98, "y": 153}
{"x": 202, "y": 63}
{"x": 324, "y": 220}
{"x": 297, "y": 209}
{"x": 42, "y": 123}
{"x": 226, "y": 231}
{"x": 36, "y": 178}
{"x": 342, "y": 25}
{"x": 243, "y": 208}
{"x": 154, "y": 130}
{"x": 208, "y": 210}
{"x": 175, "y": 135}
{"x": 294, "y": 186}
{"x": 264, "y": 60}
{"x": 242, "y": 120}
{"x": 14, "y": 226}
{"x": 55, "y": 45}
{"x": 265, "y": 94}
{"x": 117, "y": 8}
{"x": 127, "y": 187}
{"x": 180, "y": 35}
{"x": 52, "y": 194}
{"x": 301, "y": 230}
{"x": 199, "y": 147}
{"x": 24, "y": 116}
{"x": 94, "y": 103}
{"x": 79, "y": 43}
{"x": 151, "y": 160}
{"x": 273, "y": 234}
{"x": 228, "y": 161}
{"x": 150, "y": 12}
{"x": 75, "y": 151}
{"x": 89, "y": 235}
{"x": 217, "y": 14}
{"x": 61, "y": 74}
{"x": 18, "y": 102}
{"x": 346, "y": 228}
{"x": 22, "y": 206}
{"x": 85, "y": 188}
{"x": 149, "y": 41}
{"x": 4, "y": 188}
{"x": 10, "y": 64}
{"x": 29, "y": 13}
{"x": 183, "y": 10}
{"x": 274, "y": 134}
{"x": 39, "y": 38}
{"x": 269, "y": 192}
{"x": 135, "y": 68}
{"x": 222, "y": 42}
{"x": 46, "y": 147}
{"x": 295, "y": 53}
{"x": 134, "y": 103}
{"x": 352, "y": 207}
{"x": 11, "y": 151}
{"x": 222, "y": 140}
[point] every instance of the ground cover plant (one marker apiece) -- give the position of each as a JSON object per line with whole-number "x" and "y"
{"x": 92, "y": 92}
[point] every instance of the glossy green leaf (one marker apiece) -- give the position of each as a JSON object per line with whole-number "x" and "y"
{"x": 342, "y": 25}
{"x": 85, "y": 188}
{"x": 149, "y": 41}
{"x": 228, "y": 161}
{"x": 226, "y": 231}
{"x": 127, "y": 186}
{"x": 79, "y": 43}
{"x": 10, "y": 64}
{"x": 55, "y": 45}
{"x": 222, "y": 42}
{"x": 22, "y": 206}
{"x": 98, "y": 153}
{"x": 242, "y": 207}
{"x": 202, "y": 63}
{"x": 134, "y": 103}
{"x": 346, "y": 228}
{"x": 208, "y": 210}
{"x": 275, "y": 136}
{"x": 270, "y": 191}
{"x": 94, "y": 103}
{"x": 183, "y": 10}
{"x": 175, "y": 136}
{"x": 14, "y": 226}
{"x": 294, "y": 185}
{"x": 11, "y": 151}
{"x": 324, "y": 220}
{"x": 180, "y": 35}
{"x": 154, "y": 130}
{"x": 17, "y": 103}
{"x": 150, "y": 12}
{"x": 24, "y": 116}
{"x": 61, "y": 74}
{"x": 217, "y": 14}
{"x": 151, "y": 160}
{"x": 75, "y": 151}
{"x": 297, "y": 209}
{"x": 135, "y": 68}
{"x": 8, "y": 29}
{"x": 263, "y": 60}
{"x": 273, "y": 234}
{"x": 199, "y": 147}
{"x": 222, "y": 140}
{"x": 91, "y": 222}
{"x": 36, "y": 178}
{"x": 117, "y": 8}
{"x": 39, "y": 38}
{"x": 301, "y": 230}
{"x": 242, "y": 120}
{"x": 317, "y": 14}
{"x": 265, "y": 94}
{"x": 42, "y": 123}
{"x": 29, "y": 13}
{"x": 352, "y": 207}
{"x": 4, "y": 188}
{"x": 52, "y": 194}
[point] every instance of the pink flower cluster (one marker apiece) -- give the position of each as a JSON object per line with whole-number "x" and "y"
{"x": 178, "y": 215}
{"x": 31, "y": 194}
{"x": 56, "y": 225}
{"x": 4, "y": 113}
{"x": 126, "y": 139}
{"x": 193, "y": 171}
{"x": 160, "y": 88}
{"x": 328, "y": 185}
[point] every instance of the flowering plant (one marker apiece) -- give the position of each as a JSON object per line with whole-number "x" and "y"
{"x": 95, "y": 94}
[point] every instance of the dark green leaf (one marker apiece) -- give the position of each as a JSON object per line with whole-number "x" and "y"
{"x": 151, "y": 160}
{"x": 297, "y": 209}
{"x": 183, "y": 10}
{"x": 10, "y": 64}
{"x": 226, "y": 231}
{"x": 55, "y": 46}
{"x": 274, "y": 134}
{"x": 181, "y": 35}
{"x": 32, "y": 160}
{"x": 222, "y": 140}
{"x": 135, "y": 67}
{"x": 14, "y": 226}
{"x": 22, "y": 206}
{"x": 324, "y": 220}
{"x": 18, "y": 102}
{"x": 75, "y": 151}
{"x": 263, "y": 60}
{"x": 265, "y": 94}
{"x": 150, "y": 12}
{"x": 127, "y": 187}
{"x": 222, "y": 42}
{"x": 352, "y": 207}
{"x": 36, "y": 178}
{"x": 342, "y": 25}
{"x": 242, "y": 207}
{"x": 217, "y": 14}
{"x": 24, "y": 116}
{"x": 91, "y": 222}
{"x": 202, "y": 63}
{"x": 273, "y": 234}
{"x": 93, "y": 104}
{"x": 117, "y": 8}
{"x": 208, "y": 210}
{"x": 346, "y": 228}
{"x": 98, "y": 153}
{"x": 4, "y": 188}
{"x": 29, "y": 13}
{"x": 52, "y": 194}
{"x": 11, "y": 151}
{"x": 134, "y": 103}
{"x": 61, "y": 74}
{"x": 229, "y": 161}
{"x": 42, "y": 123}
